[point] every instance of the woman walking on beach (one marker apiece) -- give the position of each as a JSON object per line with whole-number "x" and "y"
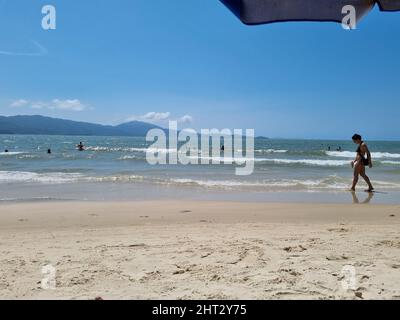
{"x": 362, "y": 160}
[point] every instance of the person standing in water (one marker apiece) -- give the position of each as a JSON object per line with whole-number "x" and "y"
{"x": 363, "y": 159}
{"x": 80, "y": 146}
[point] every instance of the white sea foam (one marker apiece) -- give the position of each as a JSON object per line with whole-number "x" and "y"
{"x": 266, "y": 184}
{"x": 127, "y": 158}
{"x": 159, "y": 150}
{"x": 28, "y": 156}
{"x": 250, "y": 184}
{"x": 10, "y": 153}
{"x": 396, "y": 163}
{"x": 216, "y": 183}
{"x": 310, "y": 162}
{"x": 22, "y": 176}
{"x": 166, "y": 150}
{"x": 329, "y": 183}
{"x": 341, "y": 154}
{"x": 227, "y": 159}
{"x": 125, "y": 149}
{"x": 380, "y": 155}
{"x": 269, "y": 151}
{"x": 117, "y": 178}
{"x": 352, "y": 154}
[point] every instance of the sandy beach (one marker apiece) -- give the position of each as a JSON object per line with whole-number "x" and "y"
{"x": 200, "y": 250}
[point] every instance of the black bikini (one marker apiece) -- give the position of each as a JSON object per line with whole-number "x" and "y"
{"x": 363, "y": 159}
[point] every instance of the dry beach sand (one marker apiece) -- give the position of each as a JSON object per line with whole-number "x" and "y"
{"x": 200, "y": 250}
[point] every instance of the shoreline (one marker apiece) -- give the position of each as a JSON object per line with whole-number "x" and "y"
{"x": 127, "y": 192}
{"x": 199, "y": 250}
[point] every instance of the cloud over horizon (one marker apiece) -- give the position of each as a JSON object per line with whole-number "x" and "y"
{"x": 160, "y": 117}
{"x": 186, "y": 119}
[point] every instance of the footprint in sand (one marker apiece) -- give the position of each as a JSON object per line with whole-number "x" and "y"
{"x": 185, "y": 211}
{"x": 291, "y": 272}
{"x": 337, "y": 258}
{"x": 179, "y": 272}
{"x": 215, "y": 277}
{"x": 364, "y": 278}
{"x": 148, "y": 276}
{"x": 389, "y": 243}
{"x": 184, "y": 269}
{"x": 340, "y": 230}
{"x": 298, "y": 248}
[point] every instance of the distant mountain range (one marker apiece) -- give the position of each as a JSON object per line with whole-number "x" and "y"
{"x": 52, "y": 126}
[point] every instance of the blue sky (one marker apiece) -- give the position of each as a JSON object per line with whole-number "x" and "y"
{"x": 109, "y": 61}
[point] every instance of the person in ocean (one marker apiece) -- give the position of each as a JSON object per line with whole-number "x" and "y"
{"x": 48, "y": 151}
{"x": 80, "y": 146}
{"x": 6, "y": 150}
{"x": 363, "y": 159}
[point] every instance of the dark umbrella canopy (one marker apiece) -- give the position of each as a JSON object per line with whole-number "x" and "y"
{"x": 267, "y": 11}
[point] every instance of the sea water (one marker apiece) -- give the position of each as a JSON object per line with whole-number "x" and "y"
{"x": 115, "y": 168}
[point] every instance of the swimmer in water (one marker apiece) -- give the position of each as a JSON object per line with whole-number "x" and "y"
{"x": 80, "y": 146}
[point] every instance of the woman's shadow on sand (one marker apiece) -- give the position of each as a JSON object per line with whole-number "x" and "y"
{"x": 366, "y": 201}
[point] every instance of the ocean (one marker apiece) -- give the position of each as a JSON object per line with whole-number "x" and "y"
{"x": 115, "y": 168}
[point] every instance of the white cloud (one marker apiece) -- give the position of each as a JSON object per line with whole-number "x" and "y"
{"x": 55, "y": 104}
{"x": 186, "y": 119}
{"x": 19, "y": 103}
{"x": 74, "y": 105}
{"x": 156, "y": 116}
{"x": 151, "y": 117}
{"x": 160, "y": 117}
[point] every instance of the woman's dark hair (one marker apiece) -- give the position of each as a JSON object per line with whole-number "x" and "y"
{"x": 357, "y": 137}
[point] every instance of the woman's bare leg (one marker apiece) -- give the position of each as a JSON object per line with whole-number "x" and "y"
{"x": 355, "y": 177}
{"x": 365, "y": 177}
